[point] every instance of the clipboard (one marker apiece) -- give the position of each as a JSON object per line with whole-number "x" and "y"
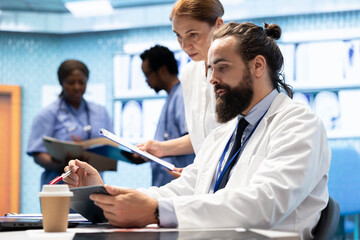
{"x": 133, "y": 148}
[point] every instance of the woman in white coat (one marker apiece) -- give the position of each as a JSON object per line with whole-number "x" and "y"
{"x": 193, "y": 22}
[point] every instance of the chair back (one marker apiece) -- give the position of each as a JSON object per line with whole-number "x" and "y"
{"x": 344, "y": 179}
{"x": 329, "y": 219}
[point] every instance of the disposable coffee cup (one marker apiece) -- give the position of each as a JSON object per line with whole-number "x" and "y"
{"x": 55, "y": 207}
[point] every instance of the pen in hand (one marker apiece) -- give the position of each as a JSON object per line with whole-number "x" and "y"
{"x": 59, "y": 178}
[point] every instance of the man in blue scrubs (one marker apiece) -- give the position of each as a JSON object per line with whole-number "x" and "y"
{"x": 160, "y": 69}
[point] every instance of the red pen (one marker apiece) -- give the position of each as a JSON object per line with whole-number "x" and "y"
{"x": 59, "y": 178}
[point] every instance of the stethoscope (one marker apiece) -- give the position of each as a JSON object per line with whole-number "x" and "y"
{"x": 166, "y": 134}
{"x": 86, "y": 128}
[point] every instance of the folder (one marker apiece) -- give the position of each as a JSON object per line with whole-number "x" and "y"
{"x": 101, "y": 153}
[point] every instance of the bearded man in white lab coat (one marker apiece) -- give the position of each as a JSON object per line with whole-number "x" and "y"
{"x": 280, "y": 171}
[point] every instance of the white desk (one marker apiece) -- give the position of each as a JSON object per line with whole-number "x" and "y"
{"x": 151, "y": 232}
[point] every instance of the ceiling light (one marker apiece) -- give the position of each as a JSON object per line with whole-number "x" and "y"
{"x": 89, "y": 8}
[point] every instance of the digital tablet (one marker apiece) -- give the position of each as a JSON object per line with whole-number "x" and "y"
{"x": 82, "y": 204}
{"x": 133, "y": 148}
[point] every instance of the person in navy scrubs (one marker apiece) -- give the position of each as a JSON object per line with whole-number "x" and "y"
{"x": 161, "y": 72}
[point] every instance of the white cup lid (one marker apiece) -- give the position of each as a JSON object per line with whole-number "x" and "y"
{"x": 59, "y": 190}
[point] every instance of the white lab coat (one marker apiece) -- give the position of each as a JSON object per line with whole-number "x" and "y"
{"x": 279, "y": 182}
{"x": 199, "y": 103}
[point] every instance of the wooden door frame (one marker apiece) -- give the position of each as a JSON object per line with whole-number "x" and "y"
{"x": 15, "y": 96}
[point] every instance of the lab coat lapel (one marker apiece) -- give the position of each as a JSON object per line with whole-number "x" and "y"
{"x": 255, "y": 140}
{"x": 218, "y": 140}
{"x": 211, "y": 156}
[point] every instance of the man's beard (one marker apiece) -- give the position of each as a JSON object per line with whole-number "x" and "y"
{"x": 235, "y": 100}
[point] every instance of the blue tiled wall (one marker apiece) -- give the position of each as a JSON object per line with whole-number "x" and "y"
{"x": 30, "y": 60}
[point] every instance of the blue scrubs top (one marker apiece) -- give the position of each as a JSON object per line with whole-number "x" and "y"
{"x": 60, "y": 120}
{"x": 171, "y": 125}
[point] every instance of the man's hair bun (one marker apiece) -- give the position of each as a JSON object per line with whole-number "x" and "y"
{"x": 272, "y": 30}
